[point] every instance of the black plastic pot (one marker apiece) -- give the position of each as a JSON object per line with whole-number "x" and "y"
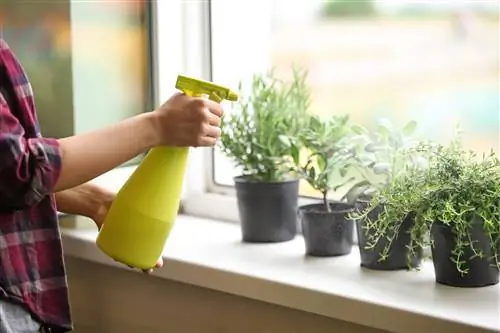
{"x": 268, "y": 211}
{"x": 327, "y": 234}
{"x": 482, "y": 272}
{"x": 397, "y": 258}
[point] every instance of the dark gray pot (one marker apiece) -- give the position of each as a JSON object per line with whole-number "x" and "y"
{"x": 482, "y": 272}
{"x": 268, "y": 211}
{"x": 327, "y": 234}
{"x": 398, "y": 252}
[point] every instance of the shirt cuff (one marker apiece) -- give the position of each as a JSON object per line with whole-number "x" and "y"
{"x": 48, "y": 161}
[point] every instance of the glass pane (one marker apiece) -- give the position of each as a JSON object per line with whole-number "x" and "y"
{"x": 434, "y": 63}
{"x": 88, "y": 61}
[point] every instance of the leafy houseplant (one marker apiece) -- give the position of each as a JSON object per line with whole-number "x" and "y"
{"x": 380, "y": 160}
{"x": 260, "y": 139}
{"x": 457, "y": 201}
{"x": 326, "y": 227}
{"x": 461, "y": 208}
{"x": 388, "y": 235}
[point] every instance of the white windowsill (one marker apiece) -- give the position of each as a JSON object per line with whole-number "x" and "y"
{"x": 210, "y": 254}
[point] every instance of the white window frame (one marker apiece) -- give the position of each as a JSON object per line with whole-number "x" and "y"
{"x": 217, "y": 30}
{"x": 183, "y": 40}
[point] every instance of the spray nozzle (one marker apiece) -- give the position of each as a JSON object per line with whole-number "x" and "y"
{"x": 196, "y": 87}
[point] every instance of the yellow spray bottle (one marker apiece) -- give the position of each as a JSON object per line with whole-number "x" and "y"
{"x": 140, "y": 219}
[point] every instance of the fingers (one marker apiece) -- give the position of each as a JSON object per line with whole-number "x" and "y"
{"x": 207, "y": 141}
{"x": 208, "y": 135}
{"x": 210, "y": 128}
{"x": 213, "y": 132}
{"x": 214, "y": 108}
{"x": 159, "y": 264}
{"x": 208, "y": 115}
{"x": 205, "y": 114}
{"x": 213, "y": 119}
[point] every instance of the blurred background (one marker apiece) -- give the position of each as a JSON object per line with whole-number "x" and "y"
{"x": 88, "y": 61}
{"x": 433, "y": 61}
{"x": 436, "y": 62}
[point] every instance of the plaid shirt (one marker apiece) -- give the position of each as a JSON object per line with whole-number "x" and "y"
{"x": 32, "y": 270}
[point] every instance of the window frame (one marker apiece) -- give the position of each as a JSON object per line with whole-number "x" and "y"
{"x": 202, "y": 196}
{"x": 162, "y": 22}
{"x": 199, "y": 195}
{"x": 151, "y": 24}
{"x": 170, "y": 30}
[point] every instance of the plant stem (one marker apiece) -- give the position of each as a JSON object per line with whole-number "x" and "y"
{"x": 325, "y": 201}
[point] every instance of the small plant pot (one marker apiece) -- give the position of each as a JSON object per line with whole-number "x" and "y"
{"x": 398, "y": 257}
{"x": 482, "y": 272}
{"x": 268, "y": 211}
{"x": 327, "y": 234}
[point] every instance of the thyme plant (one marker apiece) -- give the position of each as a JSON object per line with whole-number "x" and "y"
{"x": 462, "y": 189}
{"x": 459, "y": 188}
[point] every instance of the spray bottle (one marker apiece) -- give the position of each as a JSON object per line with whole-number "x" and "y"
{"x": 143, "y": 212}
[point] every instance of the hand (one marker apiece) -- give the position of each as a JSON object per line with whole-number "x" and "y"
{"x": 101, "y": 210}
{"x": 188, "y": 121}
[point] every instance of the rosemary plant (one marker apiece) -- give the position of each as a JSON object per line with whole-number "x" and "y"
{"x": 260, "y": 137}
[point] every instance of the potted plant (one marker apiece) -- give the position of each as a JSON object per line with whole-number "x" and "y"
{"x": 456, "y": 201}
{"x": 389, "y": 236}
{"x": 384, "y": 242}
{"x": 260, "y": 138}
{"x": 460, "y": 205}
{"x": 327, "y": 229}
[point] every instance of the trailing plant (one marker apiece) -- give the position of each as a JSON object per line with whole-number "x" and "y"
{"x": 261, "y": 135}
{"x": 329, "y": 153}
{"x": 457, "y": 188}
{"x": 380, "y": 158}
{"x": 396, "y": 202}
{"x": 462, "y": 188}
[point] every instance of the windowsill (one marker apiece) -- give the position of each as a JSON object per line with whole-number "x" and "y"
{"x": 210, "y": 254}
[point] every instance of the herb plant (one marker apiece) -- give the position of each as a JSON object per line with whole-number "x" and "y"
{"x": 458, "y": 189}
{"x": 462, "y": 188}
{"x": 379, "y": 158}
{"x": 329, "y": 154}
{"x": 261, "y": 136}
{"x": 399, "y": 199}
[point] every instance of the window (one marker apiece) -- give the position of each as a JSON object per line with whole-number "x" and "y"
{"x": 99, "y": 62}
{"x": 89, "y": 62}
{"x": 436, "y": 63}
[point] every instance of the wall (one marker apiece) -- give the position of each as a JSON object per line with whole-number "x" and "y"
{"x": 106, "y": 299}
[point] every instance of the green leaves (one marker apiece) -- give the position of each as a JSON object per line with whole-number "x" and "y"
{"x": 382, "y": 154}
{"x": 461, "y": 189}
{"x": 329, "y": 152}
{"x": 457, "y": 188}
{"x": 410, "y": 128}
{"x": 261, "y": 135}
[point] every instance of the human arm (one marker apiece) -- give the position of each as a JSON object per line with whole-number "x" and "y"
{"x": 181, "y": 121}
{"x": 88, "y": 155}
{"x": 30, "y": 168}
{"x": 88, "y": 199}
